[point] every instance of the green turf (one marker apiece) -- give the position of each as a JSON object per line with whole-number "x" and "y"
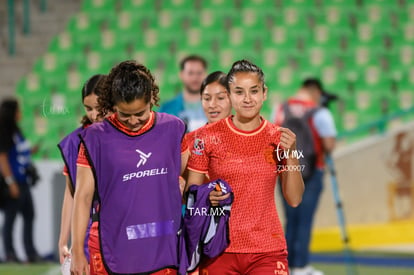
{"x": 26, "y": 269}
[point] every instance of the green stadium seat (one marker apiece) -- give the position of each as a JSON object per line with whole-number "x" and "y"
{"x": 217, "y": 4}
{"x": 139, "y": 6}
{"x": 272, "y": 58}
{"x": 334, "y": 80}
{"x": 406, "y": 35}
{"x": 299, "y": 4}
{"x": 101, "y": 7}
{"x": 361, "y": 50}
{"x": 403, "y": 58}
{"x": 63, "y": 42}
{"x": 171, "y": 21}
{"x": 406, "y": 98}
{"x": 334, "y": 16}
{"x": 373, "y": 14}
{"x": 283, "y": 38}
{"x": 182, "y": 5}
{"x": 324, "y": 36}
{"x": 210, "y": 19}
{"x": 296, "y": 18}
{"x": 31, "y": 86}
{"x": 287, "y": 81}
{"x": 84, "y": 30}
{"x": 338, "y": 3}
{"x": 50, "y": 68}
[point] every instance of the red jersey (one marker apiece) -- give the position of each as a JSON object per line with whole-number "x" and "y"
{"x": 247, "y": 161}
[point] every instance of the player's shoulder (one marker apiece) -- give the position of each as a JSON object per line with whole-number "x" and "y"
{"x": 271, "y": 129}
{"x": 165, "y": 118}
{"x": 96, "y": 128}
{"x": 215, "y": 127}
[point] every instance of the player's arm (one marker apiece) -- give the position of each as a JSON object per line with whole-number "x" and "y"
{"x": 7, "y": 173}
{"x": 197, "y": 178}
{"x": 328, "y": 144}
{"x": 292, "y": 181}
{"x": 85, "y": 189}
{"x": 325, "y": 126}
{"x": 65, "y": 222}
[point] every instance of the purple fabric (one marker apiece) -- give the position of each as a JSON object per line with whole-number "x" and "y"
{"x": 137, "y": 185}
{"x": 69, "y": 148}
{"x": 205, "y": 229}
{"x": 150, "y": 230}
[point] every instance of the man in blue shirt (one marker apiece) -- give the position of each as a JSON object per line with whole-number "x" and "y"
{"x": 187, "y": 104}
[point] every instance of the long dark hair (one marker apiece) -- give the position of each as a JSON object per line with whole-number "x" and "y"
{"x": 93, "y": 86}
{"x": 244, "y": 66}
{"x": 8, "y": 123}
{"x": 127, "y": 81}
{"x": 217, "y": 76}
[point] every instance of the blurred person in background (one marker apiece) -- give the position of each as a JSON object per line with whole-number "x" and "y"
{"x": 308, "y": 103}
{"x": 15, "y": 163}
{"x": 186, "y": 105}
{"x": 69, "y": 147}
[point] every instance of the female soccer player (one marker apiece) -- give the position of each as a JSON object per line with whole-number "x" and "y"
{"x": 131, "y": 163}
{"x": 247, "y": 151}
{"x": 69, "y": 147}
{"x": 216, "y": 105}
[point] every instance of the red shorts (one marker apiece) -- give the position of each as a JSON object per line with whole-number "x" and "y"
{"x": 96, "y": 265}
{"x": 270, "y": 263}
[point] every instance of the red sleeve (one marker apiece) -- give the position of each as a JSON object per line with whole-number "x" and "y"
{"x": 199, "y": 157}
{"x": 82, "y": 158}
{"x": 184, "y": 144}
{"x": 65, "y": 171}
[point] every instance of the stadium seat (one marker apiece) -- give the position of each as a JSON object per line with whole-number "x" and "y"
{"x": 139, "y": 6}
{"x": 182, "y": 5}
{"x": 218, "y": 4}
{"x": 361, "y": 49}
{"x": 98, "y": 7}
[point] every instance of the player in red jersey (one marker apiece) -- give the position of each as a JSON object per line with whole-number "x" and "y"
{"x": 216, "y": 105}
{"x": 249, "y": 152}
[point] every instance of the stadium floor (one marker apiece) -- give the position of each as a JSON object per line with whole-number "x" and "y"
{"x": 366, "y": 263}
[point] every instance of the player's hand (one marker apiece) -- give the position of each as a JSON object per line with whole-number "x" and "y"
{"x": 14, "y": 190}
{"x": 287, "y": 138}
{"x": 63, "y": 253}
{"x": 79, "y": 265}
{"x": 217, "y": 196}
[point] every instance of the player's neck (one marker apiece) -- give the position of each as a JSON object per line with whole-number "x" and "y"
{"x": 247, "y": 124}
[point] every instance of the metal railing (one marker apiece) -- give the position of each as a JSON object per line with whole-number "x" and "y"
{"x": 11, "y": 15}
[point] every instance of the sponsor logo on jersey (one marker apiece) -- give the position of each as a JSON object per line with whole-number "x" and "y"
{"x": 143, "y": 159}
